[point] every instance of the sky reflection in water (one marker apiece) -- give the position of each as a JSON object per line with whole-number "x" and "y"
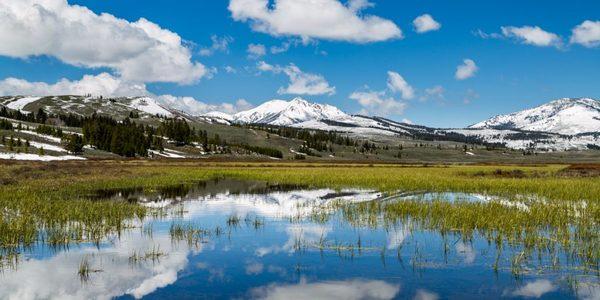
{"x": 267, "y": 248}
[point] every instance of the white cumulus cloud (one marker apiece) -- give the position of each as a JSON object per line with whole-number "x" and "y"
{"x": 466, "y": 70}
{"x": 265, "y": 67}
{"x": 139, "y": 51}
{"x": 230, "y": 69}
{"x": 532, "y": 35}
{"x": 284, "y": 47}
{"x": 315, "y": 19}
{"x": 535, "y": 289}
{"x": 301, "y": 83}
{"x": 426, "y": 295}
{"x": 435, "y": 92}
{"x": 256, "y": 51}
{"x": 194, "y": 107}
{"x": 425, "y": 23}
{"x": 101, "y": 84}
{"x": 383, "y": 103}
{"x": 587, "y": 34}
{"x": 378, "y": 103}
{"x": 52, "y": 277}
{"x": 349, "y": 289}
{"x": 107, "y": 85}
{"x": 466, "y": 251}
{"x": 397, "y": 84}
{"x": 254, "y": 268}
{"x": 219, "y": 44}
{"x": 358, "y": 5}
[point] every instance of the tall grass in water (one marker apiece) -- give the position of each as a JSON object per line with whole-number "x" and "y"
{"x": 86, "y": 269}
{"x": 50, "y": 203}
{"x": 547, "y": 230}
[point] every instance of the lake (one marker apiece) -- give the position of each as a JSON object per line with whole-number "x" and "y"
{"x": 239, "y": 239}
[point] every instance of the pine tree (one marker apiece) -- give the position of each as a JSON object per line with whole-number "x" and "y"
{"x": 41, "y": 116}
{"x": 74, "y": 144}
{"x": 6, "y": 125}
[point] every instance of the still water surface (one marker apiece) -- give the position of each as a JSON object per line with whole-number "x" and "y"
{"x": 231, "y": 239}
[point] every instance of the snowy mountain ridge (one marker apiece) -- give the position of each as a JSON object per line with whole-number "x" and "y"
{"x": 286, "y": 113}
{"x": 564, "y": 124}
{"x": 568, "y": 116}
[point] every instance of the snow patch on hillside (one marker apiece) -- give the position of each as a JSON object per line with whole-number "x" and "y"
{"x": 20, "y": 103}
{"x": 47, "y": 147}
{"x": 220, "y": 115}
{"x": 355, "y": 131}
{"x": 36, "y": 157}
{"x": 149, "y": 106}
{"x": 216, "y": 117}
{"x": 47, "y": 137}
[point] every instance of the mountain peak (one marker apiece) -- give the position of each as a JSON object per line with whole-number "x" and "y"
{"x": 564, "y": 116}
{"x": 299, "y": 100}
{"x": 593, "y": 103}
{"x": 281, "y": 112}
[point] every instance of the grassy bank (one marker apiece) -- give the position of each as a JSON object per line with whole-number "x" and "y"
{"x": 69, "y": 179}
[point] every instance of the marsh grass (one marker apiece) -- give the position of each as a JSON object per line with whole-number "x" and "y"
{"x": 192, "y": 234}
{"x": 85, "y": 270}
{"x": 154, "y": 255}
{"x": 547, "y": 236}
{"x": 233, "y": 221}
{"x": 254, "y": 222}
{"x": 50, "y": 203}
{"x": 342, "y": 249}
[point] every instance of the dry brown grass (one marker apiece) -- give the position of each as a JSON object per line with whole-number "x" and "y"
{"x": 581, "y": 170}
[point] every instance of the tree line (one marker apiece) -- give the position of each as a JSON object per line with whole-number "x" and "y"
{"x": 124, "y": 138}
{"x": 319, "y": 140}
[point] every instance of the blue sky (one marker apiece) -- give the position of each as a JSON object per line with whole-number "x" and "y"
{"x": 516, "y": 68}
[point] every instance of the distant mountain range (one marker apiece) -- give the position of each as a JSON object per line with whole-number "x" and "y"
{"x": 564, "y": 116}
{"x": 568, "y": 116}
{"x": 564, "y": 124}
{"x": 301, "y": 113}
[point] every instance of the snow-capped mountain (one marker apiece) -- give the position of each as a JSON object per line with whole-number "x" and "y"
{"x": 300, "y": 113}
{"x": 564, "y": 124}
{"x": 568, "y": 116}
{"x": 286, "y": 113}
{"x": 558, "y": 119}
